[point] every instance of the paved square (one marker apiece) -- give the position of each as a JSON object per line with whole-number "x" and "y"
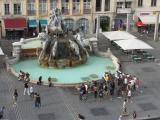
{"x": 147, "y": 106}
{"x": 148, "y": 69}
{"x": 99, "y": 111}
{"x": 47, "y": 116}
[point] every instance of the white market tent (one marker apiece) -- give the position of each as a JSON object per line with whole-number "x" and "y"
{"x": 118, "y": 35}
{"x": 1, "y": 52}
{"x": 132, "y": 44}
{"x": 149, "y": 19}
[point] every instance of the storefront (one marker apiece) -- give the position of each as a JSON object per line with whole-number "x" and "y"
{"x": 15, "y": 28}
{"x": 146, "y": 21}
{"x": 32, "y": 28}
{"x": 120, "y": 21}
{"x": 42, "y": 25}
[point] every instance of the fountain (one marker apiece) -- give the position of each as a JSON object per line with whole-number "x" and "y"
{"x": 57, "y": 47}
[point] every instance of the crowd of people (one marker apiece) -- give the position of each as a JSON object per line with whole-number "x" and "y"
{"x": 118, "y": 84}
{"x": 26, "y": 77}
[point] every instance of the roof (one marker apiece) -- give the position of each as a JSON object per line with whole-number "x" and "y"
{"x": 132, "y": 44}
{"x": 118, "y": 35}
{"x": 149, "y": 19}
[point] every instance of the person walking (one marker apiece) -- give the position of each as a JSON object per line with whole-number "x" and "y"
{"x": 31, "y": 91}
{"x": 124, "y": 108}
{"x": 95, "y": 92}
{"x": 129, "y": 94}
{"x": 80, "y": 117}
{"x": 35, "y": 99}
{"x": 26, "y": 89}
{"x": 2, "y": 112}
{"x": 134, "y": 115}
{"x": 38, "y": 100}
{"x": 15, "y": 96}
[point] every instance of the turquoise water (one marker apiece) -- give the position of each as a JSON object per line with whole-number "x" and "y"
{"x": 94, "y": 65}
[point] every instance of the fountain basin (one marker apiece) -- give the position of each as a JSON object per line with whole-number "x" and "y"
{"x": 93, "y": 69}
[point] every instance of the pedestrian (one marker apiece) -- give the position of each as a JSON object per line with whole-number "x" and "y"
{"x": 35, "y": 99}
{"x": 26, "y": 88}
{"x": 124, "y": 108}
{"x": 101, "y": 94}
{"x": 80, "y": 117}
{"x": 120, "y": 117}
{"x": 31, "y": 91}
{"x": 15, "y": 96}
{"x": 39, "y": 82}
{"x": 134, "y": 115}
{"x": 38, "y": 100}
{"x": 95, "y": 92}
{"x": 2, "y": 112}
{"x": 50, "y": 84}
{"x": 129, "y": 95}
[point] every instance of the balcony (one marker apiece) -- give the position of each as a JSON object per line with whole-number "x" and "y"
{"x": 124, "y": 10}
{"x": 65, "y": 11}
{"x": 86, "y": 11}
{"x": 31, "y": 12}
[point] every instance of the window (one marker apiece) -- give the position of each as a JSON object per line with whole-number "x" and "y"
{"x": 153, "y": 2}
{"x": 83, "y": 24}
{"x": 69, "y": 24}
{"x": 17, "y": 8}
{"x": 86, "y": 6}
{"x": 31, "y": 7}
{"x": 98, "y": 5}
{"x": 128, "y": 4}
{"x": 42, "y": 7}
{"x": 107, "y": 5}
{"x": 6, "y": 9}
{"x": 53, "y": 4}
{"x": 76, "y": 6}
{"x": 119, "y": 4}
{"x": 140, "y": 3}
{"x": 65, "y": 7}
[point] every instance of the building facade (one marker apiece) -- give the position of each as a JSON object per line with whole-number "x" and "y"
{"x": 105, "y": 9}
{"x": 33, "y": 15}
{"x": 124, "y": 10}
{"x": 13, "y": 18}
{"x": 146, "y": 14}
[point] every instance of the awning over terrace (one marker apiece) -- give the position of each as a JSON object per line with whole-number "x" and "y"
{"x": 132, "y": 44}
{"x": 118, "y": 35}
{"x": 148, "y": 19}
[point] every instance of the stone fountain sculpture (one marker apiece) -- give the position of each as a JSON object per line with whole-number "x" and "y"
{"x": 60, "y": 48}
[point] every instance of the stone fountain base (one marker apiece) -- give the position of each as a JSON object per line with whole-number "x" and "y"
{"x": 62, "y": 63}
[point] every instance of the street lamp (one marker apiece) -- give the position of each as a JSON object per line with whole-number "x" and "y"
{"x": 156, "y": 26}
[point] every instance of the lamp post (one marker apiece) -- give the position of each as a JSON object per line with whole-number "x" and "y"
{"x": 156, "y": 26}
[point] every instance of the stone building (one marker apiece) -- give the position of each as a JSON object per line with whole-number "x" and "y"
{"x": 22, "y": 17}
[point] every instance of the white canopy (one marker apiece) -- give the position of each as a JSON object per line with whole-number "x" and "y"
{"x": 149, "y": 19}
{"x": 1, "y": 52}
{"x": 118, "y": 35}
{"x": 132, "y": 44}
